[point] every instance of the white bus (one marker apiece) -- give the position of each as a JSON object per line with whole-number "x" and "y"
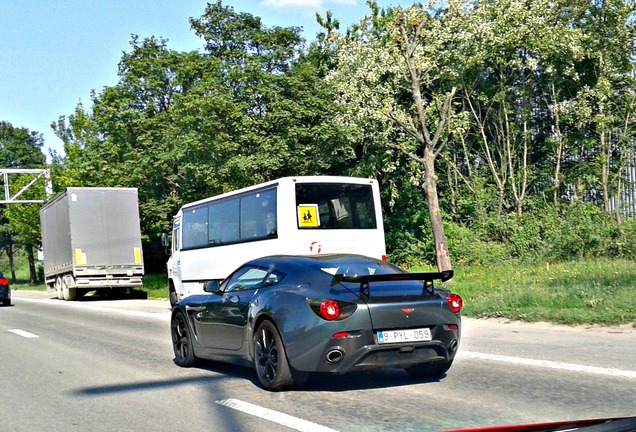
{"x": 292, "y": 215}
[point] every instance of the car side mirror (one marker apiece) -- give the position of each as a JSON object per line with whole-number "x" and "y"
{"x": 211, "y": 286}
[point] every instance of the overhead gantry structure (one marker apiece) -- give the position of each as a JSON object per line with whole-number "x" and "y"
{"x": 39, "y": 175}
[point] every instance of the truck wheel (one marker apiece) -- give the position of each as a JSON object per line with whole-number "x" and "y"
{"x": 58, "y": 288}
{"x": 68, "y": 293}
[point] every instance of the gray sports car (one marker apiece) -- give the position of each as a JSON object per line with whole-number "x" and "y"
{"x": 288, "y": 316}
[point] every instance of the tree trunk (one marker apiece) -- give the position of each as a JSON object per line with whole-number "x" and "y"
{"x": 9, "y": 250}
{"x": 437, "y": 226}
{"x": 33, "y": 277}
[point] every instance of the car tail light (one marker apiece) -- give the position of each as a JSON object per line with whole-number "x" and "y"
{"x": 455, "y": 302}
{"x": 4, "y": 281}
{"x": 330, "y": 310}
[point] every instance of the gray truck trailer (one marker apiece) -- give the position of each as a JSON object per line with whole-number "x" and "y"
{"x": 91, "y": 240}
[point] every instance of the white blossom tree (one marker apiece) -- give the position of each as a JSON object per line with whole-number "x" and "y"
{"x": 391, "y": 76}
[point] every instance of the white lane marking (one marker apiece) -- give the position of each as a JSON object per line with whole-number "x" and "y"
{"x": 23, "y": 333}
{"x": 163, "y": 315}
{"x": 549, "y": 364}
{"x": 274, "y": 416}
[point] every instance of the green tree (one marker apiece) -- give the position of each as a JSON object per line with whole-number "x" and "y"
{"x": 183, "y": 126}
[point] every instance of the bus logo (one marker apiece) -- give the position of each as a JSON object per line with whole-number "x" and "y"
{"x": 314, "y": 247}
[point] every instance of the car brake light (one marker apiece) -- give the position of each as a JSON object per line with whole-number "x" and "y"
{"x": 455, "y": 302}
{"x": 330, "y": 310}
{"x": 4, "y": 281}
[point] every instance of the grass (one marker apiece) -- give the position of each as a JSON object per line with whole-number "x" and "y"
{"x": 597, "y": 291}
{"x": 587, "y": 292}
{"x": 156, "y": 285}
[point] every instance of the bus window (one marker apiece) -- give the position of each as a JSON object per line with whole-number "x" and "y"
{"x": 340, "y": 206}
{"x": 195, "y": 230}
{"x": 258, "y": 215}
{"x": 224, "y": 222}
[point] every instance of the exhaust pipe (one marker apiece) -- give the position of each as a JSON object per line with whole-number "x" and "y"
{"x": 334, "y": 356}
{"x": 453, "y": 346}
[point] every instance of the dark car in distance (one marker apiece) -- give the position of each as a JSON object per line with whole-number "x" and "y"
{"x": 5, "y": 291}
{"x": 288, "y": 316}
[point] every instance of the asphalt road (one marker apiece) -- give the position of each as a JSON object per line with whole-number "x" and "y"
{"x": 100, "y": 365}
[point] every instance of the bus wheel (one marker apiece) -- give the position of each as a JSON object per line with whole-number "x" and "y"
{"x": 173, "y": 296}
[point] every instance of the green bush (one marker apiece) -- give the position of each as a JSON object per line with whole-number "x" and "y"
{"x": 466, "y": 248}
{"x": 415, "y": 249}
{"x": 584, "y": 231}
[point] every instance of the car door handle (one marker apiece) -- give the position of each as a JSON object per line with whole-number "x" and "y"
{"x": 195, "y": 308}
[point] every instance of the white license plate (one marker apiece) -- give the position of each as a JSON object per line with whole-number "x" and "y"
{"x": 411, "y": 335}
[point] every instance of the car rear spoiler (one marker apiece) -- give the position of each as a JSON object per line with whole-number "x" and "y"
{"x": 365, "y": 280}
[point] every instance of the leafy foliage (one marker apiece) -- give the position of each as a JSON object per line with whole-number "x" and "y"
{"x": 502, "y": 130}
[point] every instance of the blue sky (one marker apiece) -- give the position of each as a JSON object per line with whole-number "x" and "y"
{"x": 54, "y": 52}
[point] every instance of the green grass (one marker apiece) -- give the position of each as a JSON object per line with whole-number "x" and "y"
{"x": 587, "y": 292}
{"x": 156, "y": 285}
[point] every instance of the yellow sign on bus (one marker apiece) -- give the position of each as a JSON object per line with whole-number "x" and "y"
{"x": 308, "y": 216}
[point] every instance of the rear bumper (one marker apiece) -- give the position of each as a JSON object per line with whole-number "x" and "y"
{"x": 5, "y": 292}
{"x": 109, "y": 282}
{"x": 363, "y": 352}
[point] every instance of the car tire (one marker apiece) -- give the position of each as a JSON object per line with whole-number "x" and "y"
{"x": 429, "y": 370}
{"x": 6, "y": 302}
{"x": 182, "y": 342}
{"x": 270, "y": 359}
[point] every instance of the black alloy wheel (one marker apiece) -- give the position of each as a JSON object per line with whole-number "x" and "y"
{"x": 270, "y": 359}
{"x": 182, "y": 341}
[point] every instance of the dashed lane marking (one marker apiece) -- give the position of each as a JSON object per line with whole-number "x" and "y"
{"x": 274, "y": 416}
{"x": 573, "y": 367}
{"x": 24, "y": 334}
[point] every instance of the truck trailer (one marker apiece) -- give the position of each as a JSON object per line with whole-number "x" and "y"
{"x": 91, "y": 240}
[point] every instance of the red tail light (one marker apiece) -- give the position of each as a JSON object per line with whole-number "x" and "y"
{"x": 4, "y": 281}
{"x": 455, "y": 302}
{"x": 330, "y": 310}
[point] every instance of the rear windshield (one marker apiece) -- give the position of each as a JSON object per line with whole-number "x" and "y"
{"x": 384, "y": 290}
{"x": 339, "y": 205}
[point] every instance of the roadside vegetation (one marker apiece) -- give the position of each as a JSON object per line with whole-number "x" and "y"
{"x": 589, "y": 291}
{"x": 502, "y": 135}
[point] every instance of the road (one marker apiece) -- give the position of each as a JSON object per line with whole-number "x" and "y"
{"x": 108, "y": 366}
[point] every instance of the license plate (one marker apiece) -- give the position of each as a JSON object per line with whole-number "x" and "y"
{"x": 411, "y": 335}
